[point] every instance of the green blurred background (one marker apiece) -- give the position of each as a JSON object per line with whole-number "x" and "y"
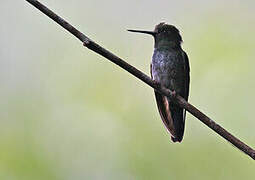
{"x": 67, "y": 113}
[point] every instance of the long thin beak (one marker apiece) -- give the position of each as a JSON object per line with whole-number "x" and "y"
{"x": 145, "y": 32}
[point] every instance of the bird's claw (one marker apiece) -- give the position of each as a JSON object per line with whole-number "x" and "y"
{"x": 174, "y": 94}
{"x": 157, "y": 84}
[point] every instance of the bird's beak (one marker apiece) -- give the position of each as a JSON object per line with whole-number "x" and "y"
{"x": 145, "y": 32}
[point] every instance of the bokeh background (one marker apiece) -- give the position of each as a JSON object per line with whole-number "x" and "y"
{"x": 67, "y": 113}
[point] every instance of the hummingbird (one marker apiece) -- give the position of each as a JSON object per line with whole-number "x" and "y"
{"x": 170, "y": 68}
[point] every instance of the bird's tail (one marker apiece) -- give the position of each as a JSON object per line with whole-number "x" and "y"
{"x": 172, "y": 116}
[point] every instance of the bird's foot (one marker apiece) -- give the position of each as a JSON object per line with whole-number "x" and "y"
{"x": 174, "y": 94}
{"x": 157, "y": 84}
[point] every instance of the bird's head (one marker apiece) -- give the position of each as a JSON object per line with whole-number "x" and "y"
{"x": 164, "y": 35}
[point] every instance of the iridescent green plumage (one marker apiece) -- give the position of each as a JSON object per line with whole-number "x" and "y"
{"x": 170, "y": 67}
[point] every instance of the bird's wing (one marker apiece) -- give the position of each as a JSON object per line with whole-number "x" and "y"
{"x": 185, "y": 92}
{"x": 164, "y": 110}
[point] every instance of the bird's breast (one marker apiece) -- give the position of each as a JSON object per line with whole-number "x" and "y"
{"x": 166, "y": 68}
